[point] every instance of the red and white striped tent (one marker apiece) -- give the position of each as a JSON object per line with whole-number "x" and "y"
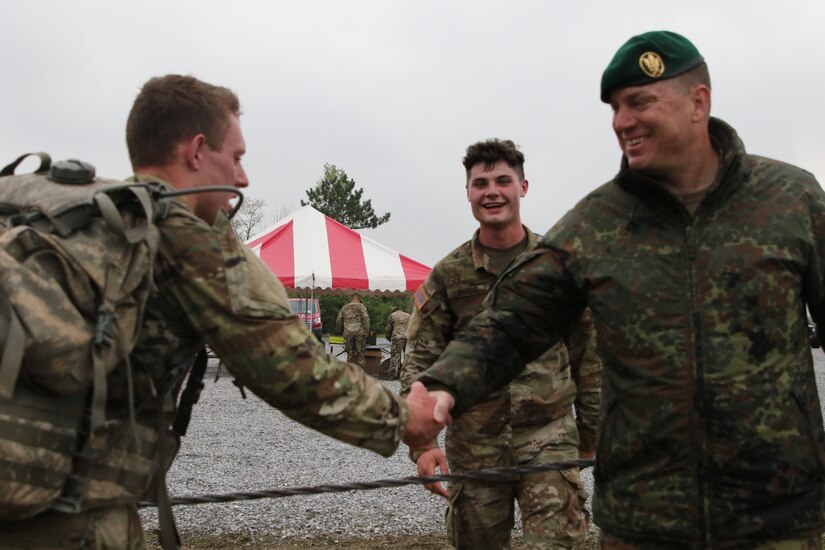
{"x": 312, "y": 251}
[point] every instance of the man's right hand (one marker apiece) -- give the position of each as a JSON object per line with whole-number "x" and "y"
{"x": 429, "y": 413}
{"x": 426, "y": 465}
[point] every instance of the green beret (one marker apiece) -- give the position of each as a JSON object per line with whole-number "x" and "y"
{"x": 647, "y": 58}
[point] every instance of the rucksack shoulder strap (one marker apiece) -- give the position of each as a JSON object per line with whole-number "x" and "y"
{"x": 114, "y": 218}
{"x": 13, "y": 341}
{"x": 191, "y": 394}
{"x": 45, "y": 164}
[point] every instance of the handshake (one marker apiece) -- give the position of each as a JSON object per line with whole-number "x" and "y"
{"x": 429, "y": 413}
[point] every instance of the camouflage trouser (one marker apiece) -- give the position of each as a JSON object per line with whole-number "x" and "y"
{"x": 112, "y": 528}
{"x": 385, "y": 372}
{"x": 481, "y": 515}
{"x": 812, "y": 542}
{"x": 355, "y": 346}
{"x": 397, "y": 347}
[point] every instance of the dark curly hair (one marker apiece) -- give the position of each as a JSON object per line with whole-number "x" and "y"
{"x": 492, "y": 151}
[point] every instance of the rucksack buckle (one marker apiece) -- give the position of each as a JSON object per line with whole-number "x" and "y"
{"x": 71, "y": 499}
{"x": 104, "y": 332}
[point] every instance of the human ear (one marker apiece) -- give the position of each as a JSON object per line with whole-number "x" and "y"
{"x": 193, "y": 150}
{"x": 701, "y": 103}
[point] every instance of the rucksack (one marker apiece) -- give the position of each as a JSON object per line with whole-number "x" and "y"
{"x": 76, "y": 260}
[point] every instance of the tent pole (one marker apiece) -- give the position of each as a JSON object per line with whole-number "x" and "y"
{"x": 312, "y": 305}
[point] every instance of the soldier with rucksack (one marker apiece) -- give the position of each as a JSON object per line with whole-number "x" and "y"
{"x": 127, "y": 280}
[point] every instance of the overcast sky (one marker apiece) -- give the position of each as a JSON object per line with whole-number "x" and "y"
{"x": 394, "y": 91}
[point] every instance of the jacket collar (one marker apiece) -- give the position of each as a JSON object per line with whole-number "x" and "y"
{"x": 733, "y": 167}
{"x": 481, "y": 260}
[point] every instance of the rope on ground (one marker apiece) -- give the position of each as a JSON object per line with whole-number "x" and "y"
{"x": 490, "y": 475}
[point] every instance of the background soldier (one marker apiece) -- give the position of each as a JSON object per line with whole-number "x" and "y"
{"x": 697, "y": 261}
{"x": 208, "y": 287}
{"x": 356, "y": 326}
{"x": 397, "y": 333}
{"x": 531, "y": 421}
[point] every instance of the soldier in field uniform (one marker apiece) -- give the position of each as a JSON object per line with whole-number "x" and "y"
{"x": 531, "y": 421}
{"x": 355, "y": 322}
{"x": 397, "y": 333}
{"x": 207, "y": 288}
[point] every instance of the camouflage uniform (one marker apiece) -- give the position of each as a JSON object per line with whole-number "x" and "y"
{"x": 111, "y": 527}
{"x": 356, "y": 323}
{"x": 530, "y": 422}
{"x": 397, "y": 333}
{"x": 711, "y": 431}
{"x": 212, "y": 288}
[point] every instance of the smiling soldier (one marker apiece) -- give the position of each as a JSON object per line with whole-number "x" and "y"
{"x": 531, "y": 421}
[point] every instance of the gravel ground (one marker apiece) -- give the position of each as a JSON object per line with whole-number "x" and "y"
{"x": 245, "y": 445}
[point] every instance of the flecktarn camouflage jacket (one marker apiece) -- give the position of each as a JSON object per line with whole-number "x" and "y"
{"x": 711, "y": 426}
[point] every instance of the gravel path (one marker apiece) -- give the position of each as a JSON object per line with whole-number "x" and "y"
{"x": 245, "y": 445}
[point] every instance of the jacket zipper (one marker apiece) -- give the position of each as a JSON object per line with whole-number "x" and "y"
{"x": 691, "y": 248}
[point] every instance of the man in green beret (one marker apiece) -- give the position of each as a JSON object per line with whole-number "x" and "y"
{"x": 697, "y": 260}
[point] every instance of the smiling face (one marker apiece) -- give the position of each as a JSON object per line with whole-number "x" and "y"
{"x": 495, "y": 194}
{"x": 655, "y": 126}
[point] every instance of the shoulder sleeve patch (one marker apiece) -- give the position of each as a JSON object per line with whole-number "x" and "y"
{"x": 421, "y": 296}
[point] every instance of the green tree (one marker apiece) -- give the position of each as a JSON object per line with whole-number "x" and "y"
{"x": 330, "y": 306}
{"x": 379, "y": 308}
{"x": 335, "y": 195}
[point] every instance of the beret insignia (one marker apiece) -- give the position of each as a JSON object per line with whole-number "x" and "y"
{"x": 652, "y": 64}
